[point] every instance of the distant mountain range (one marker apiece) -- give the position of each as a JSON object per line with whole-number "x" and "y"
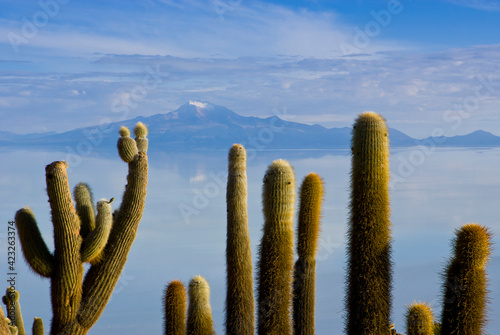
{"x": 201, "y": 126}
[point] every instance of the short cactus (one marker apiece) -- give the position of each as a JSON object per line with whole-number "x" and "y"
{"x": 38, "y": 327}
{"x": 240, "y": 307}
{"x": 141, "y": 132}
{"x": 465, "y": 287}
{"x": 276, "y": 250}
{"x": 11, "y": 301}
{"x": 419, "y": 319}
{"x": 77, "y": 302}
{"x": 368, "y": 299}
{"x": 174, "y": 304}
{"x": 304, "y": 286}
{"x": 127, "y": 147}
{"x": 199, "y": 319}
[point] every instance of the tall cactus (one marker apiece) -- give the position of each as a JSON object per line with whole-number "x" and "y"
{"x": 199, "y": 319}
{"x": 76, "y": 306}
{"x": 304, "y": 286}
{"x": 174, "y": 305}
{"x": 240, "y": 306}
{"x": 11, "y": 301}
{"x": 419, "y": 319}
{"x": 465, "y": 287}
{"x": 276, "y": 250}
{"x": 368, "y": 299}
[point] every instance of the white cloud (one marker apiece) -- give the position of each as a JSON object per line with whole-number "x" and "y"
{"x": 488, "y": 5}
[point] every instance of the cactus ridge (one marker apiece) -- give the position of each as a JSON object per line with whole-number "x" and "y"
{"x": 127, "y": 147}
{"x": 276, "y": 250}
{"x": 240, "y": 305}
{"x": 93, "y": 245}
{"x": 174, "y": 305}
{"x": 465, "y": 285}
{"x": 369, "y": 275}
{"x": 199, "y": 320}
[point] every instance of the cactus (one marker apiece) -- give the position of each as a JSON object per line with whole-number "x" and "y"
{"x": 368, "y": 298}
{"x": 11, "y": 301}
{"x": 174, "y": 305}
{"x": 141, "y": 132}
{"x": 276, "y": 250}
{"x": 419, "y": 319}
{"x": 4, "y": 324}
{"x": 465, "y": 286}
{"x": 76, "y": 306}
{"x": 127, "y": 147}
{"x": 311, "y": 196}
{"x": 199, "y": 320}
{"x": 240, "y": 307}
{"x": 38, "y": 327}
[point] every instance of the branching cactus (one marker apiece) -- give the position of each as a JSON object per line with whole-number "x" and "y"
{"x": 174, "y": 305}
{"x": 199, "y": 319}
{"x": 11, "y": 301}
{"x": 368, "y": 299}
{"x": 276, "y": 251}
{"x": 465, "y": 287}
{"x": 240, "y": 309}
{"x": 80, "y": 237}
{"x": 419, "y": 319}
{"x": 304, "y": 285}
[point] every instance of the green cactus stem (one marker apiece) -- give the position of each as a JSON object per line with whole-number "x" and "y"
{"x": 240, "y": 306}
{"x": 368, "y": 299}
{"x": 11, "y": 301}
{"x": 94, "y": 243}
{"x": 38, "y": 327}
{"x": 127, "y": 147}
{"x": 465, "y": 285}
{"x": 77, "y": 302}
{"x": 419, "y": 319}
{"x": 199, "y": 319}
{"x": 304, "y": 285}
{"x": 276, "y": 250}
{"x": 174, "y": 306}
{"x": 141, "y": 131}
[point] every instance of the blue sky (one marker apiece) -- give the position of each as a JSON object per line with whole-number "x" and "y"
{"x": 424, "y": 65}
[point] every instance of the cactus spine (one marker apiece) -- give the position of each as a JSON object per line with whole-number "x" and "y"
{"x": 304, "y": 288}
{"x": 368, "y": 300}
{"x": 38, "y": 327}
{"x": 76, "y": 306}
{"x": 199, "y": 320}
{"x": 174, "y": 305}
{"x": 465, "y": 287}
{"x": 11, "y": 301}
{"x": 276, "y": 250}
{"x": 419, "y": 319}
{"x": 240, "y": 307}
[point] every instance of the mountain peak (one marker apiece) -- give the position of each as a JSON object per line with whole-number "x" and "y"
{"x": 195, "y": 111}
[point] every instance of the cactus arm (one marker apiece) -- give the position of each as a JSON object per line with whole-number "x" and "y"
{"x": 94, "y": 243}
{"x": 4, "y": 326}
{"x": 276, "y": 250}
{"x": 11, "y": 301}
{"x": 199, "y": 319}
{"x": 127, "y": 147}
{"x": 419, "y": 319}
{"x": 101, "y": 278}
{"x": 38, "y": 328}
{"x": 304, "y": 287}
{"x": 174, "y": 306}
{"x": 84, "y": 208}
{"x": 240, "y": 305}
{"x": 141, "y": 132}
{"x": 34, "y": 248}
{"x": 68, "y": 274}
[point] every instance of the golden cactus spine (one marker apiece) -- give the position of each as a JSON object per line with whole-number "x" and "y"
{"x": 304, "y": 285}
{"x": 174, "y": 306}
{"x": 368, "y": 300}
{"x": 276, "y": 250}
{"x": 465, "y": 287}
{"x": 240, "y": 305}
{"x": 419, "y": 319}
{"x": 199, "y": 319}
{"x": 76, "y": 306}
